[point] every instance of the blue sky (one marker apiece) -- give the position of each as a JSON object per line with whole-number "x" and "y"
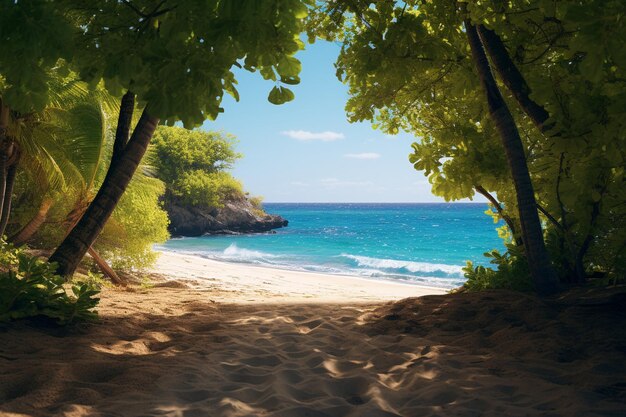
{"x": 306, "y": 151}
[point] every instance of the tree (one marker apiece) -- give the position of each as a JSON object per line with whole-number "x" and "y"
{"x": 25, "y": 75}
{"x": 563, "y": 64}
{"x": 179, "y": 150}
{"x": 409, "y": 67}
{"x": 184, "y": 54}
{"x": 543, "y": 276}
{"x": 193, "y": 163}
{"x": 406, "y": 67}
{"x": 56, "y": 148}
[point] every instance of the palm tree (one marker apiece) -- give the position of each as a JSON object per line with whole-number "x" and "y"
{"x": 61, "y": 148}
{"x": 543, "y": 275}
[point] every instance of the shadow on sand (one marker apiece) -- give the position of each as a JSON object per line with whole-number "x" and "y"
{"x": 488, "y": 354}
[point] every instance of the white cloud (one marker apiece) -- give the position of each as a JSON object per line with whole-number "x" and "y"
{"x": 299, "y": 183}
{"x": 305, "y": 135}
{"x": 363, "y": 155}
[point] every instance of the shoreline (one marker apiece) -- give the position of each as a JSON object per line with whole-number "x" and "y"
{"x": 242, "y": 283}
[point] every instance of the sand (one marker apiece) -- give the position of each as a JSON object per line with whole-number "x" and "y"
{"x": 226, "y": 348}
{"x": 241, "y": 283}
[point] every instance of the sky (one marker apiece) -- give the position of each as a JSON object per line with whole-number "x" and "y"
{"x": 307, "y": 151}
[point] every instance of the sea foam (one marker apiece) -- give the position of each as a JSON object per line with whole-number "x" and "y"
{"x": 443, "y": 270}
{"x": 235, "y": 253}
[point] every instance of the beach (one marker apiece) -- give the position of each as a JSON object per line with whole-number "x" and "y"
{"x": 244, "y": 283}
{"x": 214, "y": 339}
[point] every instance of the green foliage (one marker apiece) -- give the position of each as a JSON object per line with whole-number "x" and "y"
{"x": 34, "y": 36}
{"x": 257, "y": 202}
{"x": 30, "y": 288}
{"x": 183, "y": 55}
{"x": 192, "y": 164}
{"x": 408, "y": 67}
{"x": 177, "y": 150}
{"x": 9, "y": 254}
{"x": 201, "y": 189}
{"x": 511, "y": 272}
{"x": 74, "y": 138}
{"x": 92, "y": 279}
{"x": 137, "y": 223}
{"x": 62, "y": 145}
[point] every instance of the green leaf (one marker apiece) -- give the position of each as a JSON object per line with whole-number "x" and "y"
{"x": 289, "y": 66}
{"x": 290, "y": 80}
{"x": 280, "y": 95}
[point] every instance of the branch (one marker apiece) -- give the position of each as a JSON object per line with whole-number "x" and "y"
{"x": 498, "y": 207}
{"x": 551, "y": 218}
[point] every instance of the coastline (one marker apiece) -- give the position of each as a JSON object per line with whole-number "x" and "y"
{"x": 242, "y": 283}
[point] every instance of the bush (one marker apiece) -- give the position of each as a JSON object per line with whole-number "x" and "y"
{"x": 137, "y": 223}
{"x": 179, "y": 150}
{"x": 512, "y": 272}
{"x": 201, "y": 189}
{"x": 30, "y": 288}
{"x": 257, "y": 206}
{"x": 257, "y": 202}
{"x": 193, "y": 165}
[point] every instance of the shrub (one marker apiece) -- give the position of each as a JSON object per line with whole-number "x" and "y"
{"x": 198, "y": 188}
{"x": 512, "y": 272}
{"x": 193, "y": 165}
{"x": 137, "y": 223}
{"x": 257, "y": 202}
{"x": 179, "y": 150}
{"x": 257, "y": 205}
{"x": 30, "y": 288}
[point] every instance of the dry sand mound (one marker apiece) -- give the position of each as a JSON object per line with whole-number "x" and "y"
{"x": 173, "y": 352}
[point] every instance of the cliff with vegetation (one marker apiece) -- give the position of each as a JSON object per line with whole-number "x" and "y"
{"x": 201, "y": 197}
{"x": 239, "y": 215}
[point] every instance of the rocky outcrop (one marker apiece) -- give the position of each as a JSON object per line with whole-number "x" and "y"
{"x": 236, "y": 216}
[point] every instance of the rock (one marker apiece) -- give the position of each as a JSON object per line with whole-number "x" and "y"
{"x": 235, "y": 217}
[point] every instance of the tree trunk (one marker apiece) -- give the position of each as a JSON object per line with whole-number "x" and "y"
{"x": 124, "y": 121}
{"x": 4, "y": 149}
{"x": 512, "y": 77}
{"x": 105, "y": 268}
{"x": 75, "y": 245}
{"x": 72, "y": 219}
{"x": 34, "y": 224}
{"x": 8, "y": 195}
{"x": 542, "y": 273}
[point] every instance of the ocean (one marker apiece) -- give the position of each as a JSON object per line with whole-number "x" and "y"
{"x": 424, "y": 243}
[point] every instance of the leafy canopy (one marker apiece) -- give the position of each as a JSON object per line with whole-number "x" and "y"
{"x": 35, "y": 36}
{"x": 182, "y": 53}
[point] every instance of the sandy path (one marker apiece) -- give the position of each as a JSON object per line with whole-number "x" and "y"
{"x": 228, "y": 340}
{"x": 177, "y": 353}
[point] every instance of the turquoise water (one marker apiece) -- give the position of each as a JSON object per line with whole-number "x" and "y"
{"x": 425, "y": 244}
